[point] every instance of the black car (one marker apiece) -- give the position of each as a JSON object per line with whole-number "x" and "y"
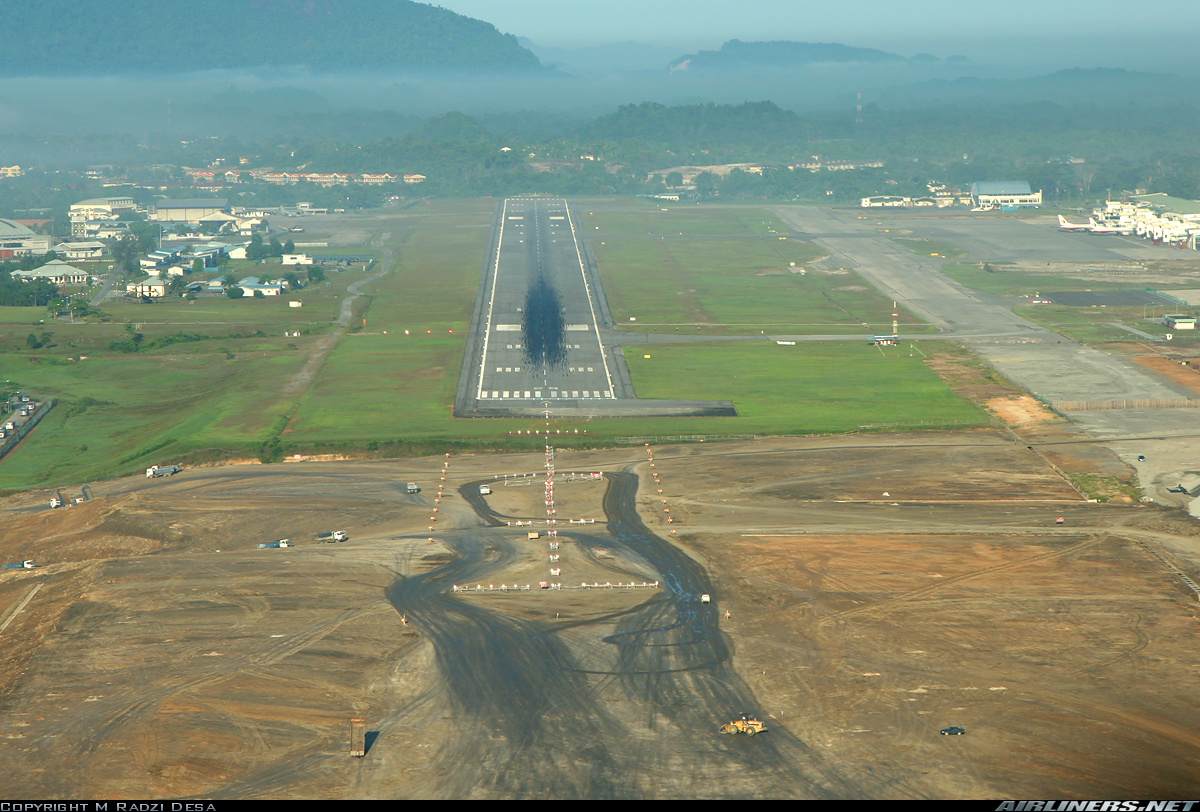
{"x": 952, "y": 731}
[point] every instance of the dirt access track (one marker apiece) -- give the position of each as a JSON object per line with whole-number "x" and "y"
{"x": 866, "y": 592}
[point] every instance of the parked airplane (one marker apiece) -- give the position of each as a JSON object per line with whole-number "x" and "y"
{"x": 1065, "y": 226}
{"x": 1091, "y": 227}
{"x": 1096, "y": 228}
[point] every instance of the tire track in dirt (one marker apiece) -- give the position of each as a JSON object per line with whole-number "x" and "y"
{"x": 624, "y": 714}
{"x": 1140, "y": 641}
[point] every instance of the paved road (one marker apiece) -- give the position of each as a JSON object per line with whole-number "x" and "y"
{"x": 106, "y": 286}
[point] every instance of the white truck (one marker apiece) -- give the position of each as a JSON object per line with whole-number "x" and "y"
{"x": 485, "y": 490}
{"x": 412, "y": 488}
{"x": 162, "y": 470}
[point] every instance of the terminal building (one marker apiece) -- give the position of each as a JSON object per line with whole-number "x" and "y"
{"x": 1004, "y": 194}
{"x": 89, "y": 216}
{"x": 17, "y": 240}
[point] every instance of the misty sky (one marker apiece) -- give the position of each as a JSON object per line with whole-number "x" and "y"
{"x": 1119, "y": 33}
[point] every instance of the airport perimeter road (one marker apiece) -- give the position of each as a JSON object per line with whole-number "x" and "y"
{"x": 1049, "y": 365}
{"x": 536, "y": 340}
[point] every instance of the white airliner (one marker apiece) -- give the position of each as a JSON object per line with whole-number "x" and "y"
{"x": 1065, "y": 226}
{"x": 1091, "y": 227}
{"x": 1096, "y": 228}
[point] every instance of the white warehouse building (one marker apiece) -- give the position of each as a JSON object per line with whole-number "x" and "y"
{"x": 1004, "y": 194}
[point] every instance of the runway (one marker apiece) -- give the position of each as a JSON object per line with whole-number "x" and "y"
{"x": 537, "y": 335}
{"x": 541, "y": 338}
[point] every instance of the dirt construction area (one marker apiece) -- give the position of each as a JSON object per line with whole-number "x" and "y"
{"x": 865, "y": 592}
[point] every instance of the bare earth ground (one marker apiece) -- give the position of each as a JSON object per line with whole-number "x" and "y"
{"x": 1187, "y": 375}
{"x": 879, "y": 588}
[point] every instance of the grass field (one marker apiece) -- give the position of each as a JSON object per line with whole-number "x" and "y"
{"x": 721, "y": 286}
{"x": 813, "y": 388}
{"x": 222, "y": 388}
{"x": 398, "y": 386}
{"x": 221, "y": 318}
{"x": 242, "y": 382}
{"x": 1091, "y": 325}
{"x": 22, "y": 316}
{"x": 808, "y": 388}
{"x": 118, "y": 414}
{"x": 721, "y": 270}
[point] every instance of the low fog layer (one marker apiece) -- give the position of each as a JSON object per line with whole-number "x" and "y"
{"x": 364, "y": 106}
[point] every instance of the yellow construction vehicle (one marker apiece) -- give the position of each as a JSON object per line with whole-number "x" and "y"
{"x": 745, "y": 725}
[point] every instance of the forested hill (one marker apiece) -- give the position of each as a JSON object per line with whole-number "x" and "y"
{"x": 735, "y": 55}
{"x": 58, "y": 37}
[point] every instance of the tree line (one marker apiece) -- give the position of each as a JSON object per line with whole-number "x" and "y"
{"x": 1074, "y": 153}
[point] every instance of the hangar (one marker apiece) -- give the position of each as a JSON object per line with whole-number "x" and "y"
{"x": 1005, "y": 194}
{"x": 187, "y": 211}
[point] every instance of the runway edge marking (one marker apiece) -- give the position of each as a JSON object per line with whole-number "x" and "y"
{"x": 487, "y": 320}
{"x": 591, "y": 305}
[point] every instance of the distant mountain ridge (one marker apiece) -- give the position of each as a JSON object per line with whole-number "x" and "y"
{"x": 55, "y": 37}
{"x": 736, "y": 54}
